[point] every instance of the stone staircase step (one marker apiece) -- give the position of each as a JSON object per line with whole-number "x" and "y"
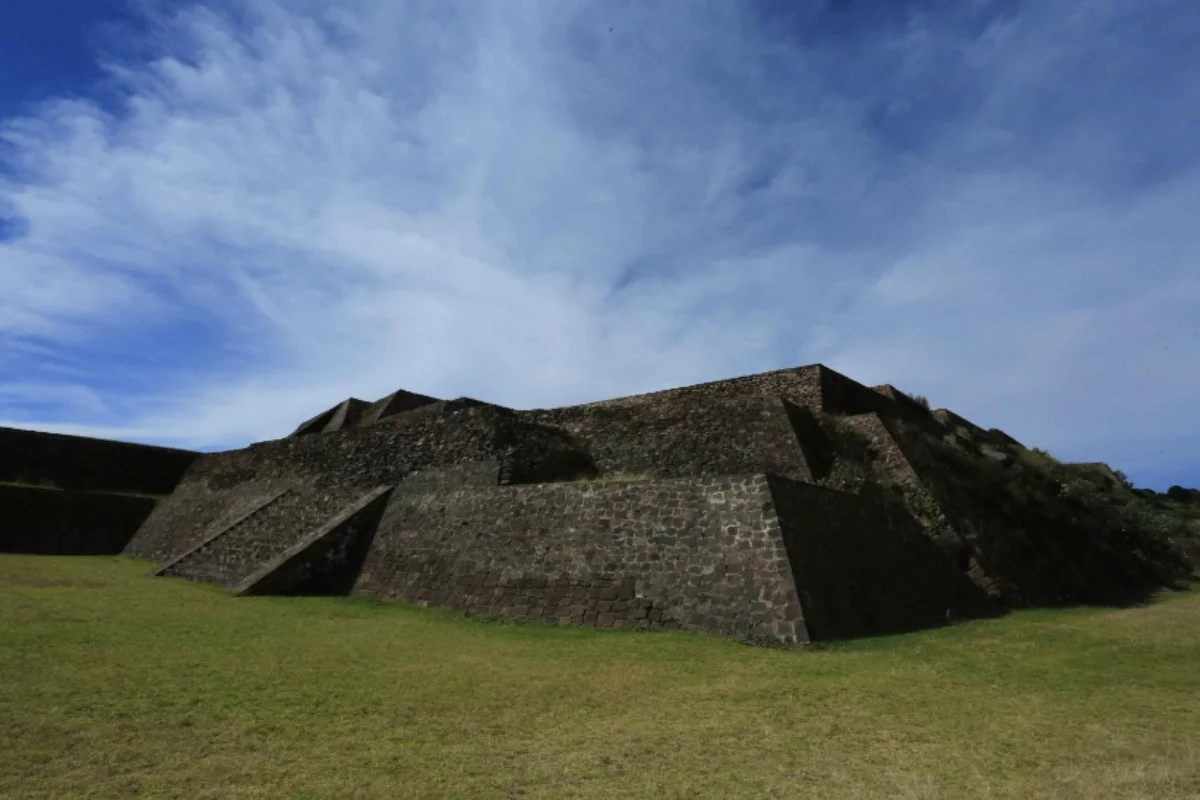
{"x": 242, "y": 549}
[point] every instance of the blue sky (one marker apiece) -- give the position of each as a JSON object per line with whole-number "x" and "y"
{"x": 217, "y": 219}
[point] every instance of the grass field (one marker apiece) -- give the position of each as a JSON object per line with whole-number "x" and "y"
{"x": 116, "y": 684}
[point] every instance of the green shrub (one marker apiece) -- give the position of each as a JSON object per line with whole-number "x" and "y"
{"x": 1049, "y": 532}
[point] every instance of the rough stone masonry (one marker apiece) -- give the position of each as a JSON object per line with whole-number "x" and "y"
{"x": 692, "y": 508}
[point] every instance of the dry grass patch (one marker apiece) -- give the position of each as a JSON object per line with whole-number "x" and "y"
{"x": 117, "y": 684}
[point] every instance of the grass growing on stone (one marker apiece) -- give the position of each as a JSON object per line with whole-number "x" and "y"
{"x": 117, "y": 684}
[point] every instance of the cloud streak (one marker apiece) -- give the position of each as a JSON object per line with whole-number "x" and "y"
{"x": 275, "y": 205}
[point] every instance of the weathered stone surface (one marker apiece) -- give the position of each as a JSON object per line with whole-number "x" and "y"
{"x": 94, "y": 465}
{"x": 672, "y": 437}
{"x": 575, "y": 550}
{"x": 446, "y": 439}
{"x": 954, "y": 421}
{"x": 704, "y": 515}
{"x": 355, "y": 413}
{"x": 326, "y": 559}
{"x": 397, "y": 402}
{"x": 864, "y": 567}
{"x": 886, "y": 448}
{"x": 316, "y": 424}
{"x": 253, "y": 541}
{"x": 347, "y": 414}
{"x": 815, "y": 386}
{"x": 72, "y": 494}
{"x": 180, "y": 522}
{"x": 904, "y": 403}
{"x": 66, "y": 522}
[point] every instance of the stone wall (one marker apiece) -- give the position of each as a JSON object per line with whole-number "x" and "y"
{"x": 452, "y": 478}
{"x": 440, "y": 408}
{"x": 318, "y": 423}
{"x": 397, "y": 402}
{"x": 65, "y": 522}
{"x": 953, "y": 422}
{"x": 814, "y": 441}
{"x": 77, "y": 462}
{"x": 702, "y": 554}
{"x": 814, "y": 386}
{"x": 890, "y": 453}
{"x": 676, "y": 437}
{"x": 886, "y": 450}
{"x": 355, "y": 413}
{"x": 326, "y": 560}
{"x": 437, "y": 437}
{"x": 905, "y": 403}
{"x": 348, "y": 414}
{"x": 843, "y": 395}
{"x": 760, "y": 558}
{"x": 251, "y": 542}
{"x": 181, "y": 521}
{"x": 536, "y": 453}
{"x": 864, "y": 567}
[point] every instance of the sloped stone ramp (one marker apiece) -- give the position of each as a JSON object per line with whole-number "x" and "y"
{"x": 325, "y": 559}
{"x": 285, "y": 529}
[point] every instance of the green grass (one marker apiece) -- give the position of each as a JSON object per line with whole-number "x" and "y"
{"x": 1037, "y": 458}
{"x": 117, "y": 684}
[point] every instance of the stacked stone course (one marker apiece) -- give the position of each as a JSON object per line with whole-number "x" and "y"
{"x": 677, "y": 437}
{"x": 779, "y": 507}
{"x": 674, "y": 509}
{"x": 325, "y": 560}
{"x": 235, "y": 551}
{"x": 192, "y": 512}
{"x": 693, "y": 553}
{"x": 75, "y": 495}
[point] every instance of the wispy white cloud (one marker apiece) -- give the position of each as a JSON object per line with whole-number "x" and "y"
{"x": 544, "y": 203}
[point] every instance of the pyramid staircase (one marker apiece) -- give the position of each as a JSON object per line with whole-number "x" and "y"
{"x": 238, "y": 549}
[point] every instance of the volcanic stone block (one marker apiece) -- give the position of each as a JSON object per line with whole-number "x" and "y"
{"x": 244, "y": 548}
{"x": 671, "y": 544}
{"x": 397, "y": 402}
{"x": 677, "y": 437}
{"x": 323, "y": 559}
{"x": 192, "y": 514}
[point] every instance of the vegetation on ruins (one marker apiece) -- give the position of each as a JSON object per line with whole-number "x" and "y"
{"x": 773, "y": 508}
{"x": 1041, "y": 531}
{"x": 793, "y": 505}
